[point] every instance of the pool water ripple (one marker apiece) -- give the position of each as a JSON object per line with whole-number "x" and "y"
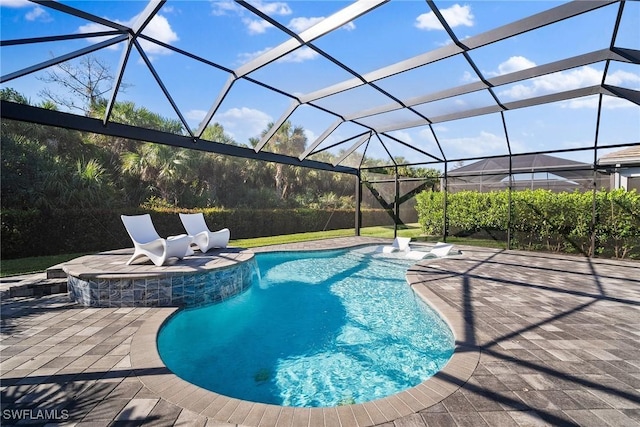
{"x": 319, "y": 329}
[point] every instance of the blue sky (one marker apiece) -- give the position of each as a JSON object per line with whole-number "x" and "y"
{"x": 226, "y": 33}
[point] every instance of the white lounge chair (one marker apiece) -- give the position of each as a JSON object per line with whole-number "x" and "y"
{"x": 399, "y": 244}
{"x": 147, "y": 242}
{"x": 438, "y": 251}
{"x": 204, "y": 238}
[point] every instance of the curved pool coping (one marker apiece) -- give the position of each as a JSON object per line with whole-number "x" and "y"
{"x": 146, "y": 362}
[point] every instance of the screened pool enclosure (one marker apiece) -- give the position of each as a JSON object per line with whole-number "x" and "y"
{"x": 493, "y": 95}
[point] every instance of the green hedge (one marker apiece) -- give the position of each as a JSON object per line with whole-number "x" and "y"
{"x": 541, "y": 219}
{"x": 36, "y": 233}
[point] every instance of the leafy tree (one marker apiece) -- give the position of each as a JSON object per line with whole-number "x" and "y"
{"x": 12, "y": 95}
{"x": 129, "y": 114}
{"x": 25, "y": 163}
{"x": 131, "y": 172}
{"x": 40, "y": 166}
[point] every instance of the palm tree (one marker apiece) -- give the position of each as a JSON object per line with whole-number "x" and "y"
{"x": 162, "y": 167}
{"x": 90, "y": 185}
{"x": 287, "y": 140}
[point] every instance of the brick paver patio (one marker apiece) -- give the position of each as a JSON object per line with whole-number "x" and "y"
{"x": 546, "y": 339}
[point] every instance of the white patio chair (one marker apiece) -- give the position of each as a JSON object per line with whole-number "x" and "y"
{"x": 438, "y": 251}
{"x": 147, "y": 242}
{"x": 204, "y": 238}
{"x": 399, "y": 244}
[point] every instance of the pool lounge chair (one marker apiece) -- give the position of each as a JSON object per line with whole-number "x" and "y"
{"x": 204, "y": 238}
{"x": 399, "y": 244}
{"x": 147, "y": 242}
{"x": 438, "y": 251}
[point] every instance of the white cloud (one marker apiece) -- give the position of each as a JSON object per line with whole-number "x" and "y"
{"x": 15, "y": 3}
{"x": 311, "y": 136}
{"x": 300, "y": 55}
{"x": 245, "y": 57}
{"x": 561, "y": 81}
{"x": 427, "y": 134}
{"x": 482, "y": 144}
{"x": 612, "y": 102}
{"x": 253, "y": 24}
{"x": 300, "y": 24}
{"x": 349, "y": 26}
{"x": 515, "y": 63}
{"x": 608, "y": 103}
{"x": 455, "y": 16}
{"x": 620, "y": 77}
{"x": 38, "y": 14}
{"x": 195, "y": 115}
{"x": 92, "y": 28}
{"x": 518, "y": 92}
{"x": 571, "y": 79}
{"x": 467, "y": 77}
{"x": 219, "y": 8}
{"x": 272, "y": 8}
{"x": 556, "y": 82}
{"x": 256, "y": 26}
{"x": 244, "y": 123}
{"x": 158, "y": 28}
{"x": 402, "y": 136}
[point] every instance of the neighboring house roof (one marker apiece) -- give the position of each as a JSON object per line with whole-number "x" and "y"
{"x": 496, "y": 168}
{"x": 627, "y": 156}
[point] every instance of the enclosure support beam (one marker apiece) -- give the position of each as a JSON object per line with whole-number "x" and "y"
{"x": 358, "y": 219}
{"x": 31, "y": 114}
{"x": 445, "y": 226}
{"x": 396, "y": 203}
{"x": 592, "y": 250}
{"x": 388, "y": 207}
{"x": 509, "y": 210}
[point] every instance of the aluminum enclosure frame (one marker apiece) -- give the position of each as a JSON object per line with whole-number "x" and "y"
{"x": 116, "y": 33}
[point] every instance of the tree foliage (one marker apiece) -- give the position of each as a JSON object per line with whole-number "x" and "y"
{"x": 47, "y": 167}
{"x": 51, "y": 167}
{"x": 542, "y": 219}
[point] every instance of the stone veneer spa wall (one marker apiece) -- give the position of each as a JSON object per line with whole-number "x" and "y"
{"x": 169, "y": 290}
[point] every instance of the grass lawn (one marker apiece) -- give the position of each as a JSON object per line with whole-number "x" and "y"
{"x": 36, "y": 264}
{"x": 11, "y": 267}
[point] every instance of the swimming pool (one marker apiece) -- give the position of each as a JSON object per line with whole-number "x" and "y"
{"x": 320, "y": 328}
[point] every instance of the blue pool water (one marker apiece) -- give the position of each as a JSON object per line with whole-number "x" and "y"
{"x": 319, "y": 329}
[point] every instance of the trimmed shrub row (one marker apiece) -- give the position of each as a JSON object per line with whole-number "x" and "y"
{"x": 541, "y": 219}
{"x": 36, "y": 233}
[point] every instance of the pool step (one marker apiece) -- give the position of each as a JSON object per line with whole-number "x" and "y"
{"x": 51, "y": 281}
{"x": 38, "y": 288}
{"x": 56, "y": 272}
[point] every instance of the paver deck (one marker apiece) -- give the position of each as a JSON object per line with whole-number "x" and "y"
{"x": 540, "y": 340}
